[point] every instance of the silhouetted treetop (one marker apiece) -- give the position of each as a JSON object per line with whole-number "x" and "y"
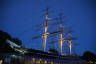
{"x": 89, "y": 56}
{"x": 4, "y": 45}
{"x": 4, "y": 35}
{"x": 17, "y": 41}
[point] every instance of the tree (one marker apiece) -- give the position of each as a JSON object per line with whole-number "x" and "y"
{"x": 89, "y": 56}
{"x": 4, "y": 47}
{"x": 17, "y": 41}
{"x": 4, "y": 35}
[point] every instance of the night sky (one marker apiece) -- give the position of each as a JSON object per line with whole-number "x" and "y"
{"x": 19, "y": 17}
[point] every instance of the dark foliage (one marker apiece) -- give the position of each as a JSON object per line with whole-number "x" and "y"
{"x": 89, "y": 56}
{"x": 17, "y": 41}
{"x": 4, "y": 35}
{"x": 4, "y": 47}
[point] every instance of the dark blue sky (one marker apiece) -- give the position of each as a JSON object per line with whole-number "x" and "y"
{"x": 18, "y": 17}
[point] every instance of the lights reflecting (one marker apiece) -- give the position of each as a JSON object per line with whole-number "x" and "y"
{"x": 45, "y": 40}
{"x": 1, "y": 61}
{"x": 46, "y": 28}
{"x": 61, "y": 42}
{"x": 70, "y": 46}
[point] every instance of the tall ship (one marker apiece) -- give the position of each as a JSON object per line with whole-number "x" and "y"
{"x": 60, "y": 34}
{"x": 16, "y": 54}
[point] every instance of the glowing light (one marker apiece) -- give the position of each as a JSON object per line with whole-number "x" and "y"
{"x": 45, "y": 37}
{"x": 70, "y": 46}
{"x": 33, "y": 59}
{"x": 51, "y": 62}
{"x": 1, "y": 61}
{"x": 44, "y": 42}
{"x": 61, "y": 42}
{"x": 46, "y": 28}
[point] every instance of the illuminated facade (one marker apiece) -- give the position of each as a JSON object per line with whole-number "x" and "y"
{"x": 16, "y": 54}
{"x": 39, "y": 57}
{"x": 20, "y": 55}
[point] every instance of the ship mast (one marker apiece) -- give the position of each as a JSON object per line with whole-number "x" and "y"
{"x": 64, "y": 39}
{"x": 70, "y": 46}
{"x": 61, "y": 32}
{"x": 70, "y": 39}
{"x": 61, "y": 40}
{"x": 45, "y": 35}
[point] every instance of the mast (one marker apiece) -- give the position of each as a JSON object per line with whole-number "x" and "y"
{"x": 69, "y": 40}
{"x": 45, "y": 35}
{"x": 70, "y": 44}
{"x": 61, "y": 32}
{"x": 70, "y": 47}
{"x": 61, "y": 40}
{"x": 46, "y": 25}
